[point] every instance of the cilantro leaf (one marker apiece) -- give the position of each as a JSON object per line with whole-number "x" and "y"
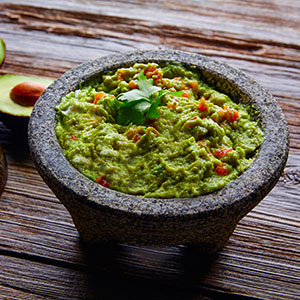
{"x": 152, "y": 112}
{"x": 146, "y": 89}
{"x": 146, "y": 85}
{"x": 140, "y": 104}
{"x": 134, "y": 113}
{"x": 132, "y": 95}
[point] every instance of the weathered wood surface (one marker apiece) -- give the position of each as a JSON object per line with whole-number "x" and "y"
{"x": 40, "y": 251}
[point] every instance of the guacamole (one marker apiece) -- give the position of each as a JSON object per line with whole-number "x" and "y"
{"x": 156, "y": 130}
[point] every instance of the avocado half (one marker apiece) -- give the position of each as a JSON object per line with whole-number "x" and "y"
{"x": 2, "y": 52}
{"x": 13, "y": 115}
{"x": 3, "y": 170}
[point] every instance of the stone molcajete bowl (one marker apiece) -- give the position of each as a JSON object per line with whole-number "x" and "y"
{"x": 101, "y": 214}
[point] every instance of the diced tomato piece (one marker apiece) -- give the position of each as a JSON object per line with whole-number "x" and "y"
{"x": 136, "y": 137}
{"x": 230, "y": 114}
{"x": 185, "y": 95}
{"x": 102, "y": 180}
{"x": 172, "y": 105}
{"x": 194, "y": 85}
{"x": 221, "y": 170}
{"x": 157, "y": 78}
{"x": 234, "y": 116}
{"x": 120, "y": 76}
{"x": 130, "y": 133}
{"x": 73, "y": 137}
{"x": 203, "y": 105}
{"x": 222, "y": 152}
{"x": 155, "y": 131}
{"x": 150, "y": 71}
{"x": 133, "y": 85}
{"x": 98, "y": 96}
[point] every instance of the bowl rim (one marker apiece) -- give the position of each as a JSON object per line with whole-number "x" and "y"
{"x": 249, "y": 188}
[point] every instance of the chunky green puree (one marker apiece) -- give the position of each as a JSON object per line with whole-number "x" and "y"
{"x": 156, "y": 131}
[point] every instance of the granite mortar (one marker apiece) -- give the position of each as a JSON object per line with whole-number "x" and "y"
{"x": 101, "y": 214}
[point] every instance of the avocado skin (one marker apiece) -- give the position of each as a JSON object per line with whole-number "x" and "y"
{"x": 2, "y": 52}
{"x": 3, "y": 170}
{"x": 18, "y": 124}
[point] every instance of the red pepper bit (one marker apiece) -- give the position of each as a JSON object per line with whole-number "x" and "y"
{"x": 120, "y": 76}
{"x": 194, "y": 85}
{"x": 102, "y": 180}
{"x": 130, "y": 133}
{"x": 234, "y": 116}
{"x": 158, "y": 76}
{"x": 150, "y": 71}
{"x": 97, "y": 97}
{"x": 73, "y": 137}
{"x": 221, "y": 170}
{"x": 230, "y": 114}
{"x": 185, "y": 95}
{"x": 163, "y": 82}
{"x": 184, "y": 87}
{"x": 153, "y": 72}
{"x": 133, "y": 85}
{"x": 223, "y": 152}
{"x": 136, "y": 137}
{"x": 155, "y": 131}
{"x": 154, "y": 125}
{"x": 172, "y": 105}
{"x": 203, "y": 105}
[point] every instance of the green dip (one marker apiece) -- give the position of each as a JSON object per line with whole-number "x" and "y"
{"x": 193, "y": 140}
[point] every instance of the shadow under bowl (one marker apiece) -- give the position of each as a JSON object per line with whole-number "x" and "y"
{"x": 101, "y": 214}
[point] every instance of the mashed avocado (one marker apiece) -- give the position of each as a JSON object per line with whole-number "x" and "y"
{"x": 156, "y": 131}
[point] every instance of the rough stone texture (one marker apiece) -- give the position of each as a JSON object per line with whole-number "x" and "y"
{"x": 101, "y": 214}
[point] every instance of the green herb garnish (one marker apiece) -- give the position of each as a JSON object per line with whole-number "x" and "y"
{"x": 138, "y": 105}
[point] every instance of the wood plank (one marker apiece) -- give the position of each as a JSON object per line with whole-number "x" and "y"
{"x": 26, "y": 279}
{"x": 266, "y": 62}
{"x": 36, "y": 225}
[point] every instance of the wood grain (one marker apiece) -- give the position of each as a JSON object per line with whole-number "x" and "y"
{"x": 41, "y": 254}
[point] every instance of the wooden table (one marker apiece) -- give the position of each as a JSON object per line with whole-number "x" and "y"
{"x": 40, "y": 250}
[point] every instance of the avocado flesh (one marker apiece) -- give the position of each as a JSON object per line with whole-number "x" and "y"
{"x": 7, "y": 82}
{"x": 13, "y": 115}
{"x": 2, "y": 52}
